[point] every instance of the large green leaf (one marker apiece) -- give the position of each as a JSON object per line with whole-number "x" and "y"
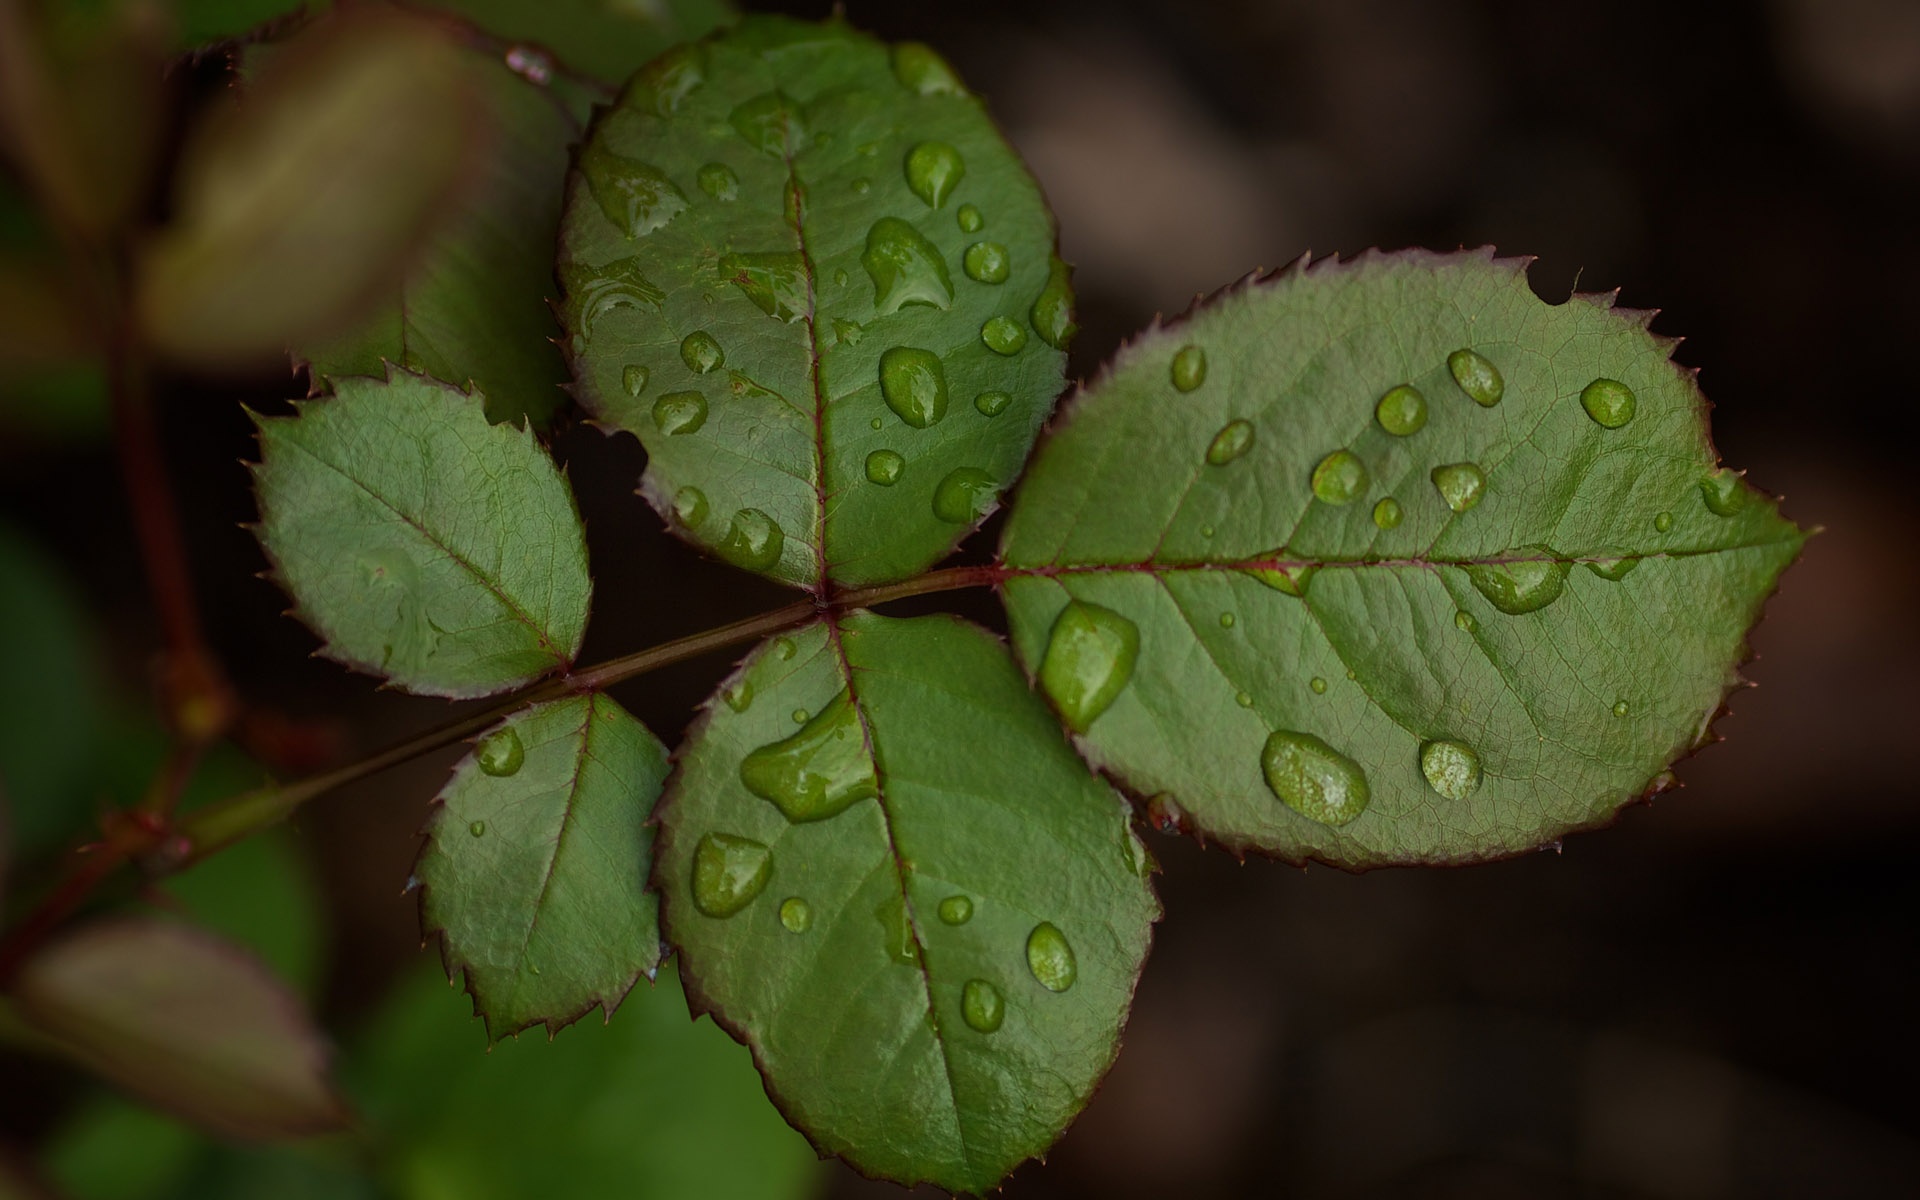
{"x": 1316, "y": 618}
{"x": 888, "y": 874}
{"x": 537, "y": 856}
{"x": 421, "y": 543}
{"x": 784, "y": 255}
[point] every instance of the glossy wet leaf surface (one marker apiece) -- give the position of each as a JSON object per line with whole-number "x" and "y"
{"x": 976, "y": 915}
{"x": 1296, "y": 653}
{"x": 787, "y": 198}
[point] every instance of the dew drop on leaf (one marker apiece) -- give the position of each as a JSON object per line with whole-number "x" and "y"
{"x": 992, "y": 404}
{"x": 785, "y": 648}
{"x": 701, "y": 352}
{"x": 1089, "y": 658}
{"x": 1521, "y": 585}
{"x": 634, "y": 379}
{"x": 1050, "y": 958}
{"x": 1466, "y": 622}
{"x": 1477, "y": 377}
{"x": 800, "y": 716}
{"x": 1460, "y": 484}
{"x": 719, "y": 181}
{"x": 636, "y": 196}
{"x": 1189, "y": 369}
{"x": 690, "y": 505}
{"x": 862, "y": 186}
{"x": 775, "y": 282}
{"x": 1227, "y": 620}
{"x": 964, "y": 495}
{"x": 728, "y": 872}
{"x": 1312, "y": 778}
{"x": 934, "y": 169}
{"x": 663, "y": 85}
{"x": 1234, "y": 439}
{"x": 1613, "y": 570}
{"x": 922, "y": 71}
{"x": 970, "y": 219}
{"x": 1243, "y": 699}
{"x": 986, "y": 262}
{"x": 981, "y": 1006}
{"x": 1288, "y": 581}
{"x": 680, "y": 412}
{"x": 1609, "y": 402}
{"x": 1621, "y": 708}
{"x": 754, "y": 540}
{"x": 901, "y": 947}
{"x": 1052, "y": 311}
{"x": 1387, "y": 514}
{"x": 914, "y": 385}
{"x": 796, "y": 914}
{"x": 1318, "y": 685}
{"x": 884, "y": 467}
{"x": 1402, "y": 412}
{"x": 771, "y": 123}
{"x": 1340, "y": 478}
{"x": 1452, "y": 768}
{"x": 1663, "y": 521}
{"x": 1722, "y": 491}
{"x": 500, "y": 752}
{"x": 1003, "y": 335}
{"x": 818, "y": 772}
{"x": 956, "y": 910}
{"x": 905, "y": 268}
{"x": 478, "y": 829}
{"x": 739, "y": 697}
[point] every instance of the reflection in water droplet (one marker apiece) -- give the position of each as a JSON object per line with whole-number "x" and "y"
{"x": 776, "y": 283}
{"x": 1663, "y": 521}
{"x": 970, "y": 219}
{"x": 992, "y": 404}
{"x": 1722, "y": 491}
{"x": 987, "y": 262}
{"x": 719, "y": 181}
{"x": 1609, "y": 402}
{"x": 1466, "y": 622}
{"x": 884, "y": 467}
{"x": 1621, "y": 708}
{"x": 680, "y": 412}
{"x": 818, "y": 772}
{"x": 1613, "y": 569}
{"x": 728, "y": 872}
{"x": 1050, "y": 958}
{"x": 1477, "y": 377}
{"x": 1402, "y": 411}
{"x": 914, "y": 385}
{"x": 1452, "y": 768}
{"x": 1521, "y": 585}
{"x": 634, "y": 379}
{"x": 739, "y": 697}
{"x": 1003, "y": 335}
{"x": 1312, "y": 778}
{"x": 1340, "y": 478}
{"x": 1234, "y": 439}
{"x": 981, "y": 1006}
{"x": 956, "y": 910}
{"x": 1189, "y": 368}
{"x": 1052, "y": 312}
{"x": 478, "y": 829}
{"x": 663, "y": 84}
{"x": 922, "y": 71}
{"x": 1460, "y": 484}
{"x": 500, "y": 752}
{"x": 934, "y": 169}
{"x": 754, "y": 540}
{"x": 897, "y": 934}
{"x": 965, "y": 495}
{"x": 1387, "y": 514}
{"x": 690, "y": 505}
{"x": 905, "y": 268}
{"x": 637, "y": 197}
{"x": 1318, "y": 685}
{"x": 796, "y": 914}
{"x": 1089, "y": 659}
{"x": 771, "y": 123}
{"x": 701, "y": 352}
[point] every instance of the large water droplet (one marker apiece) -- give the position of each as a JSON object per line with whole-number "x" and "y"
{"x": 818, "y": 772}
{"x": 663, "y": 84}
{"x": 956, "y": 910}
{"x": 1402, "y": 412}
{"x": 690, "y": 505}
{"x": 992, "y": 404}
{"x": 914, "y": 385}
{"x": 1387, "y": 513}
{"x": 637, "y": 197}
{"x": 1052, "y": 312}
{"x": 987, "y": 262}
{"x": 1003, "y": 335}
{"x": 1050, "y": 958}
{"x": 634, "y": 379}
{"x": 500, "y": 752}
{"x": 1312, "y": 778}
{"x": 1521, "y": 585}
{"x": 772, "y": 124}
{"x": 1460, "y": 484}
{"x": 1662, "y": 521}
{"x": 982, "y": 1006}
{"x": 1089, "y": 659}
{"x": 1340, "y": 478}
{"x": 754, "y": 540}
{"x": 1234, "y": 439}
{"x": 796, "y": 914}
{"x": 1189, "y": 369}
{"x": 1609, "y": 402}
{"x": 905, "y": 268}
{"x": 1722, "y": 491}
{"x": 964, "y": 495}
{"x": 593, "y": 292}
{"x": 922, "y": 71}
{"x": 739, "y": 697}
{"x": 776, "y": 283}
{"x": 1613, "y": 569}
{"x": 728, "y": 872}
{"x": 970, "y": 219}
{"x": 701, "y": 352}
{"x": 897, "y": 933}
{"x": 1452, "y": 768}
{"x": 884, "y": 467}
{"x": 934, "y": 169}
{"x": 1477, "y": 377}
{"x": 719, "y": 181}
{"x": 680, "y": 412}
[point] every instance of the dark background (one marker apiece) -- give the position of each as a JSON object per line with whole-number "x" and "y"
{"x": 1717, "y": 997}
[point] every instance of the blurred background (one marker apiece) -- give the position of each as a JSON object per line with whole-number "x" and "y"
{"x": 1714, "y": 998}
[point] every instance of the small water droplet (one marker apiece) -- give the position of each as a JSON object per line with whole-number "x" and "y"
{"x": 934, "y": 169}
{"x": 1189, "y": 368}
{"x": 1340, "y": 478}
{"x": 1477, "y": 377}
{"x": 701, "y": 352}
{"x": 992, "y": 404}
{"x": 905, "y": 267}
{"x": 987, "y": 262}
{"x": 478, "y": 829}
{"x": 884, "y": 467}
{"x": 1318, "y": 685}
{"x": 1452, "y": 768}
{"x": 796, "y": 914}
{"x": 785, "y": 648}
{"x": 956, "y": 910}
{"x": 1613, "y": 570}
{"x": 964, "y": 495}
{"x": 1226, "y": 620}
{"x": 1402, "y": 412}
{"x": 862, "y": 186}
{"x": 1621, "y": 708}
{"x": 1722, "y": 491}
{"x": 876, "y": 424}
{"x": 1663, "y": 521}
{"x": 1460, "y": 484}
{"x": 1312, "y": 778}
{"x": 1003, "y": 335}
{"x": 914, "y": 385}
{"x": 1052, "y": 312}
{"x": 922, "y": 71}
{"x": 634, "y": 379}
{"x": 530, "y": 64}
{"x": 739, "y": 697}
{"x": 1289, "y": 581}
{"x": 1466, "y": 622}
{"x": 970, "y": 219}
{"x": 1234, "y": 439}
{"x": 680, "y": 412}
{"x": 1050, "y": 958}
{"x": 636, "y": 196}
{"x": 728, "y": 872}
{"x": 1609, "y": 402}
{"x": 1387, "y": 514}
{"x": 771, "y": 123}
{"x": 1164, "y": 814}
{"x": 500, "y": 752}
{"x": 754, "y": 540}
{"x": 1206, "y": 531}
{"x": 775, "y": 282}
{"x": 663, "y": 84}
{"x": 690, "y": 505}
{"x": 800, "y": 716}
{"x": 982, "y": 1006}
{"x": 1243, "y": 699}
{"x": 1089, "y": 659}
{"x": 901, "y": 946}
{"x": 719, "y": 181}
{"x": 1521, "y": 585}
{"x": 818, "y": 772}
{"x": 1665, "y": 781}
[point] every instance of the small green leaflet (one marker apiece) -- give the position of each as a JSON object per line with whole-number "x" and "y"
{"x": 535, "y": 866}
{"x": 421, "y": 543}
{"x": 809, "y": 274}
{"x": 1418, "y": 568}
{"x": 889, "y": 875}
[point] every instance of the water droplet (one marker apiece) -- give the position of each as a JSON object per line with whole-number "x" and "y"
{"x": 593, "y": 292}
{"x": 1050, "y": 958}
{"x": 922, "y": 71}
{"x": 848, "y": 333}
{"x": 1243, "y": 699}
{"x": 478, "y": 829}
{"x": 964, "y": 495}
{"x": 728, "y": 872}
{"x": 1164, "y": 814}
{"x": 637, "y": 197}
{"x": 1189, "y": 368}
{"x": 1318, "y": 685}
{"x": 1387, "y": 514}
{"x": 1089, "y": 659}
{"x": 1460, "y": 484}
{"x": 1402, "y": 412}
{"x": 1234, "y": 439}
{"x": 680, "y": 412}
{"x": 1466, "y": 622}
{"x": 982, "y": 1006}
{"x": 818, "y": 772}
{"x": 1003, "y": 335}
{"x": 1312, "y": 778}
{"x": 634, "y": 379}
{"x": 776, "y": 283}
{"x": 1663, "y": 521}
{"x": 901, "y": 947}
{"x": 531, "y": 65}
{"x": 1290, "y": 581}
{"x": 934, "y": 169}
{"x": 1206, "y": 531}
{"x": 1722, "y": 491}
{"x": 987, "y": 262}
{"x": 739, "y": 697}
{"x": 771, "y": 123}
{"x": 914, "y": 385}
{"x": 785, "y": 648}
{"x": 1521, "y": 585}
{"x": 905, "y": 268}
{"x": 884, "y": 467}
{"x": 1621, "y": 708}
{"x": 719, "y": 181}
{"x": 956, "y": 910}
{"x": 796, "y": 914}
{"x": 1340, "y": 478}
{"x": 1052, "y": 312}
{"x": 663, "y": 84}
{"x": 1613, "y": 569}
{"x": 701, "y": 352}
{"x": 1609, "y": 402}
{"x": 690, "y": 505}
{"x": 754, "y": 540}
{"x": 1477, "y": 377}
{"x": 1226, "y": 620}
{"x": 875, "y": 424}
{"x": 992, "y": 404}
{"x": 970, "y": 219}
{"x": 1665, "y": 781}
{"x": 862, "y": 186}
{"x": 1452, "y": 768}
{"x": 800, "y": 716}
{"x": 500, "y": 752}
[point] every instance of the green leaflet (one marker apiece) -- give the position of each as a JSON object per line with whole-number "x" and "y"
{"x": 421, "y": 543}
{"x": 1486, "y": 612}
{"x": 536, "y": 861}
{"x": 933, "y": 978}
{"x": 767, "y": 279}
